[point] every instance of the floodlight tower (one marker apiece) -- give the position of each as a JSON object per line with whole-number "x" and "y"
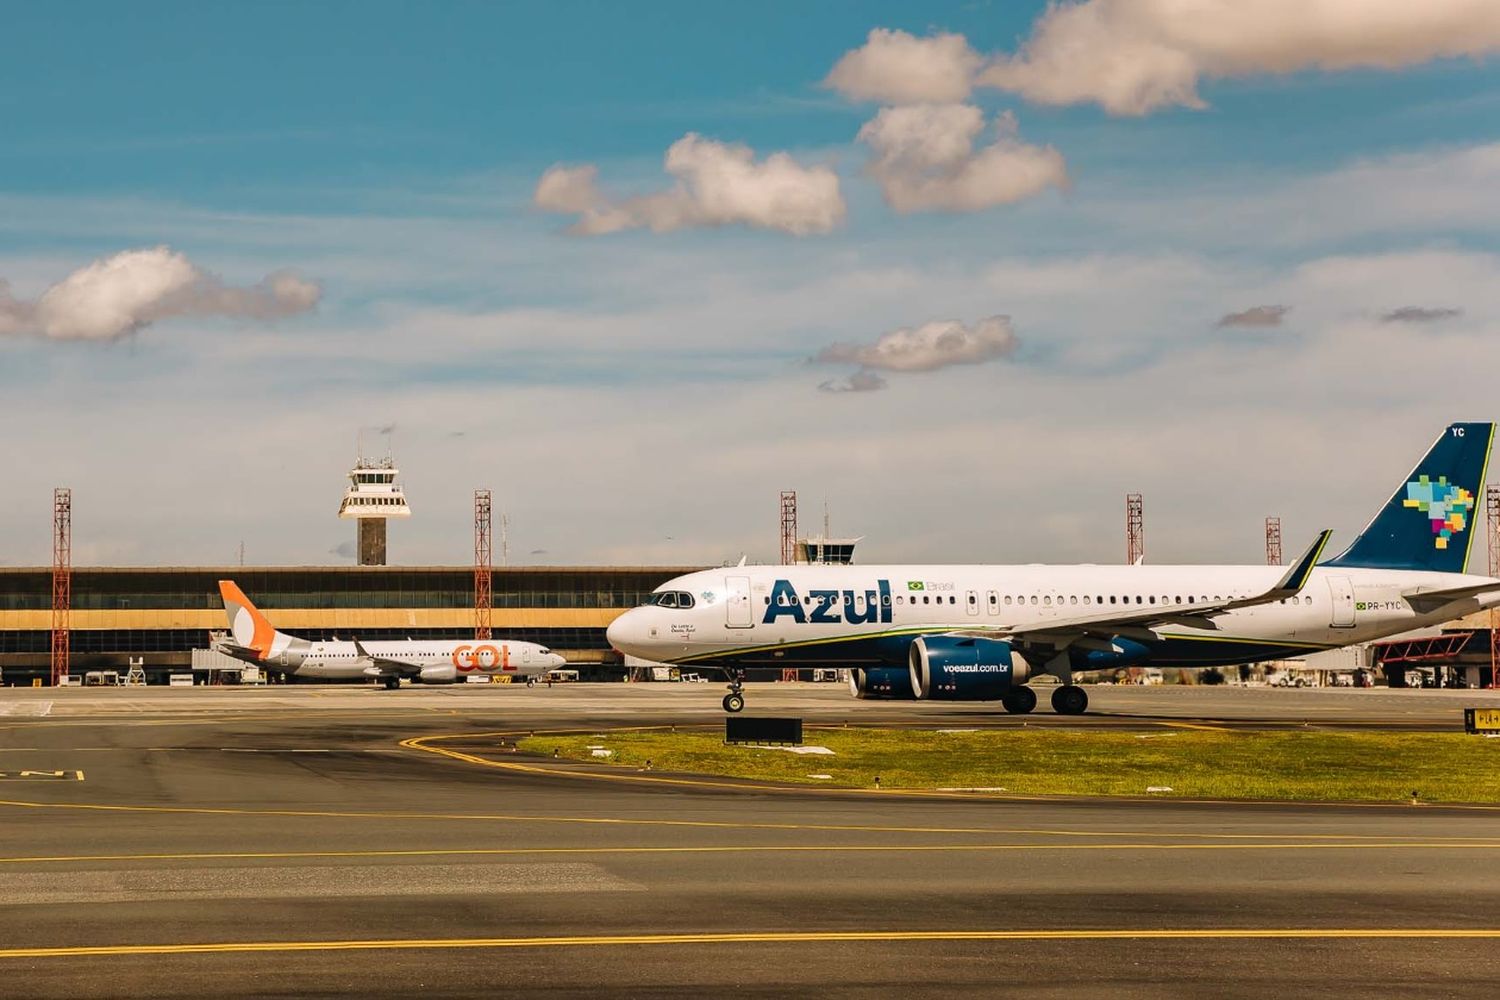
{"x": 372, "y": 497}
{"x": 1492, "y": 515}
{"x": 1273, "y": 541}
{"x": 484, "y": 561}
{"x": 62, "y": 580}
{"x": 1135, "y": 529}
{"x": 788, "y": 527}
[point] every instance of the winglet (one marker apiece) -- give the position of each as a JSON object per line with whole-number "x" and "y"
{"x": 1296, "y": 577}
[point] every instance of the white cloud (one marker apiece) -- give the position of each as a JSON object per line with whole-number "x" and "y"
{"x": 717, "y": 184}
{"x": 119, "y": 295}
{"x": 924, "y": 159}
{"x": 895, "y": 67}
{"x": 1134, "y": 56}
{"x": 933, "y": 345}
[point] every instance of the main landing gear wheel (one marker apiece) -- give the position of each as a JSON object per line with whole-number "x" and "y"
{"x": 734, "y": 701}
{"x": 1019, "y": 700}
{"x": 392, "y": 683}
{"x": 1070, "y": 699}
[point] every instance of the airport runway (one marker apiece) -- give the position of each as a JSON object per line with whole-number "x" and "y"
{"x": 281, "y": 842}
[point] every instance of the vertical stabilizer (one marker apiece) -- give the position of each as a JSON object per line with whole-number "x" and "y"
{"x": 1427, "y": 524}
{"x": 249, "y": 627}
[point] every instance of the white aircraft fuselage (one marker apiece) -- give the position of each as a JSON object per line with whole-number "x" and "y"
{"x": 854, "y": 615}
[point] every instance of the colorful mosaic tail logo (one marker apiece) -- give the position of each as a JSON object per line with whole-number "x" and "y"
{"x": 1447, "y": 506}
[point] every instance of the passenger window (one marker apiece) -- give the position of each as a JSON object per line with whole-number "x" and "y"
{"x": 973, "y": 599}
{"x": 952, "y": 599}
{"x": 900, "y": 599}
{"x": 885, "y": 600}
{"x": 1073, "y": 599}
{"x": 1007, "y": 599}
{"x": 1086, "y": 599}
{"x": 1033, "y": 599}
{"x": 1047, "y": 600}
{"x": 1112, "y": 598}
{"x": 1137, "y": 598}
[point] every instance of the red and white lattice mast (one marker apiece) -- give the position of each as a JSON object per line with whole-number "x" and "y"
{"x": 1135, "y": 529}
{"x": 62, "y": 579}
{"x": 483, "y": 565}
{"x": 1273, "y": 541}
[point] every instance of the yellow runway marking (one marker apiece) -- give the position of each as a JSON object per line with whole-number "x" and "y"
{"x": 1196, "y": 725}
{"x": 688, "y": 823}
{"x": 759, "y": 937}
{"x": 1476, "y": 845}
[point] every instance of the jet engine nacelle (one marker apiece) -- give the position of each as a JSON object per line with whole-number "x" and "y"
{"x": 1125, "y": 653}
{"x": 957, "y": 668}
{"x": 881, "y": 682}
{"x": 438, "y": 674}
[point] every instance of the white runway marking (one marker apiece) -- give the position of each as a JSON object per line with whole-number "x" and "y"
{"x": 30, "y": 709}
{"x": 304, "y": 881}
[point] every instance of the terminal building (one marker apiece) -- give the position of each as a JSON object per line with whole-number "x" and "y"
{"x": 161, "y": 614}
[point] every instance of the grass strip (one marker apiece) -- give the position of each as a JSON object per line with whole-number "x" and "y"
{"x": 1360, "y": 766}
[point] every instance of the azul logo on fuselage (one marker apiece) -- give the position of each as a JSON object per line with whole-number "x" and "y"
{"x": 830, "y": 607}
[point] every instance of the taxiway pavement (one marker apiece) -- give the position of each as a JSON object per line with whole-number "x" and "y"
{"x": 282, "y": 842}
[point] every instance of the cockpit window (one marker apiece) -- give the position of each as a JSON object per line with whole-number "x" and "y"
{"x": 670, "y": 599}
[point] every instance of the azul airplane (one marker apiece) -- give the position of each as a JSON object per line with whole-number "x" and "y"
{"x": 981, "y": 632}
{"x": 431, "y": 661}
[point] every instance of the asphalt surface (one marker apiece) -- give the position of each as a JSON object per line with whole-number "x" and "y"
{"x": 283, "y": 842}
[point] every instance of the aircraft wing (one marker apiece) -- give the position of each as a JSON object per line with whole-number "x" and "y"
{"x": 1139, "y": 623}
{"x": 384, "y": 666}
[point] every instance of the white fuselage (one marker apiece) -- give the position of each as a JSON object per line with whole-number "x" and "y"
{"x": 843, "y": 615}
{"x": 435, "y": 661}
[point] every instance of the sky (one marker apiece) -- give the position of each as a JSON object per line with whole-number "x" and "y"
{"x": 964, "y": 272}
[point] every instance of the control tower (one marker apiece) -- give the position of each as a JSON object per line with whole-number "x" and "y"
{"x": 826, "y": 551}
{"x": 373, "y": 495}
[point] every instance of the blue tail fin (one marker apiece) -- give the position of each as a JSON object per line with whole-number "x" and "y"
{"x": 1426, "y": 524}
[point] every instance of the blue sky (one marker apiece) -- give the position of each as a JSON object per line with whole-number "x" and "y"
{"x": 636, "y": 395}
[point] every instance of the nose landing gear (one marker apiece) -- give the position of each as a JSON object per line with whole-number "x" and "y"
{"x": 734, "y": 701}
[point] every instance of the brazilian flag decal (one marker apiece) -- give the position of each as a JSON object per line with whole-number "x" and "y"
{"x": 914, "y": 585}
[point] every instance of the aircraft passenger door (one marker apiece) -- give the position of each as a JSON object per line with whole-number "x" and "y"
{"x": 739, "y": 613}
{"x": 1342, "y": 611}
{"x": 971, "y": 603}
